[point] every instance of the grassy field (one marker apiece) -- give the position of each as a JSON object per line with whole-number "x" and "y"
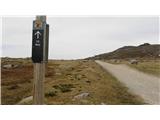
{"x": 64, "y": 80}
{"x": 150, "y": 66}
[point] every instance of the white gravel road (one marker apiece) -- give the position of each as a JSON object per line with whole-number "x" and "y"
{"x": 139, "y": 83}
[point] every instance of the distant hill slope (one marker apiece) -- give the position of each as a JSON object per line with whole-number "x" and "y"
{"x": 145, "y": 50}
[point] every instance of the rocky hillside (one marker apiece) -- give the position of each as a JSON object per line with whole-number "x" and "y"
{"x": 145, "y": 50}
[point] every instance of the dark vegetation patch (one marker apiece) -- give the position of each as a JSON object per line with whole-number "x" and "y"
{"x": 51, "y": 94}
{"x": 64, "y": 87}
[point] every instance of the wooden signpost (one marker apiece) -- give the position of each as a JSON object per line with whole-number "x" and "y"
{"x": 40, "y": 41}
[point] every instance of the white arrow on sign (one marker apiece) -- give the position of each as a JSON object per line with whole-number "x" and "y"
{"x": 38, "y": 34}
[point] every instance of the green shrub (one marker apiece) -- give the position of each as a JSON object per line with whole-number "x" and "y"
{"x": 51, "y": 94}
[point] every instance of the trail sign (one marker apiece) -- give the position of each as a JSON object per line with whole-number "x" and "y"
{"x": 37, "y": 46}
{"x": 40, "y": 40}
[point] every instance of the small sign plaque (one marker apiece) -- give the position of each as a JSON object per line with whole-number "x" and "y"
{"x": 37, "y": 45}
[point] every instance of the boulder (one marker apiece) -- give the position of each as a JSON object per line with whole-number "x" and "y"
{"x": 81, "y": 96}
{"x": 26, "y": 100}
{"x": 8, "y": 66}
{"x": 134, "y": 61}
{"x": 58, "y": 73}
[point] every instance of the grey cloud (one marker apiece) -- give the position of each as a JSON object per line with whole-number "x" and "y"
{"x": 79, "y": 37}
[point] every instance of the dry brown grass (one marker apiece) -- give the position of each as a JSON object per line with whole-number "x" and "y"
{"x": 148, "y": 66}
{"x": 72, "y": 78}
{"x": 16, "y": 83}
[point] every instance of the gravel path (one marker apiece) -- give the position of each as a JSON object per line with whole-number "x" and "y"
{"x": 144, "y": 85}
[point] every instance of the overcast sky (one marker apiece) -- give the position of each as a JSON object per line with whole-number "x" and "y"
{"x": 79, "y": 37}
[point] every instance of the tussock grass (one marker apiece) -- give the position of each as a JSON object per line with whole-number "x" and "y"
{"x": 150, "y": 66}
{"x": 69, "y": 78}
{"x": 51, "y": 94}
{"x": 64, "y": 87}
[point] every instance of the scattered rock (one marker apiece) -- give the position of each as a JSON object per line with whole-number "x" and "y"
{"x": 58, "y": 74}
{"x": 16, "y": 66}
{"x": 103, "y": 103}
{"x": 26, "y": 100}
{"x": 134, "y": 61}
{"x": 66, "y": 67}
{"x": 81, "y": 96}
{"x": 8, "y": 66}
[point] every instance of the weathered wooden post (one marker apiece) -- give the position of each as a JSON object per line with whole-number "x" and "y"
{"x": 40, "y": 40}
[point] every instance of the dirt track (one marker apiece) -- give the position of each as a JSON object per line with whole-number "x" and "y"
{"x": 144, "y": 85}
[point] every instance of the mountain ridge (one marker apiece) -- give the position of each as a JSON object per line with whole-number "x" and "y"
{"x": 145, "y": 50}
